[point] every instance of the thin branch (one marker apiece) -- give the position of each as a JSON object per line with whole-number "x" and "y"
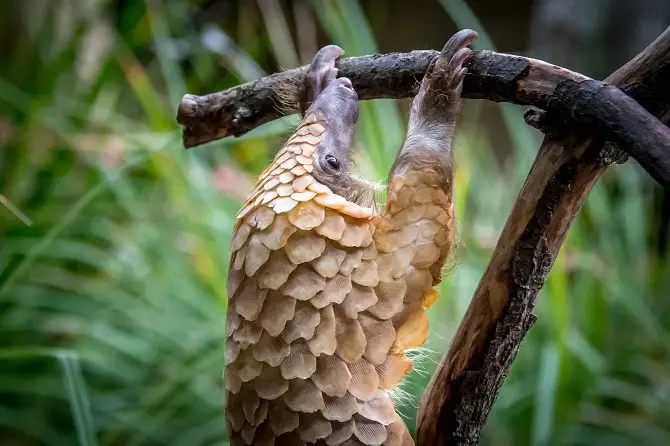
{"x": 460, "y": 395}
{"x": 493, "y": 76}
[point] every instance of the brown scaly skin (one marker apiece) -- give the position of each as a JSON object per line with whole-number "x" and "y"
{"x": 326, "y": 296}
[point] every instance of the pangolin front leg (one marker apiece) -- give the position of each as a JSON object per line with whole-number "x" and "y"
{"x": 318, "y": 300}
{"x": 414, "y": 233}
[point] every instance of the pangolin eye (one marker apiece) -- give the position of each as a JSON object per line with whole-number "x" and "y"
{"x": 333, "y": 162}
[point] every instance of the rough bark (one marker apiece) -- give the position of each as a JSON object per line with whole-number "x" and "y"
{"x": 460, "y": 395}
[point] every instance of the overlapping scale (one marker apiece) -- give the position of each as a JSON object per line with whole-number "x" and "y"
{"x": 300, "y": 363}
{"x": 305, "y": 247}
{"x": 303, "y": 324}
{"x": 340, "y": 408}
{"x": 270, "y": 384}
{"x": 313, "y": 427}
{"x": 249, "y": 299}
{"x": 282, "y": 419}
{"x": 379, "y": 337}
{"x": 350, "y": 338}
{"x": 379, "y": 408}
{"x": 276, "y": 271}
{"x": 370, "y": 433}
{"x": 303, "y": 396}
{"x": 270, "y": 350}
{"x": 332, "y": 376}
{"x": 392, "y": 371}
{"x": 277, "y": 311}
{"x": 247, "y": 334}
{"x": 360, "y": 298}
{"x": 364, "y": 380}
{"x": 324, "y": 340}
{"x": 329, "y": 262}
{"x": 341, "y": 432}
{"x": 304, "y": 283}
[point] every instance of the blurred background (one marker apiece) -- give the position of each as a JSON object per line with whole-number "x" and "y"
{"x": 114, "y": 238}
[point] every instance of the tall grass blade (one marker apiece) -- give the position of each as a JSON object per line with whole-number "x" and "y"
{"x": 77, "y": 396}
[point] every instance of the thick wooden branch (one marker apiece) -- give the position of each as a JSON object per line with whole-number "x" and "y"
{"x": 236, "y": 111}
{"x": 494, "y": 76}
{"x": 460, "y": 395}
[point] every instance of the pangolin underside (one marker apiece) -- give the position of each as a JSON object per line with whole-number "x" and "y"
{"x": 326, "y": 296}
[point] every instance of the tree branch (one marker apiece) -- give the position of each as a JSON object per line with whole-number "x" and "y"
{"x": 460, "y": 395}
{"x": 494, "y": 76}
{"x": 236, "y": 111}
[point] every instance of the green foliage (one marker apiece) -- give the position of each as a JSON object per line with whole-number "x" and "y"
{"x": 113, "y": 299}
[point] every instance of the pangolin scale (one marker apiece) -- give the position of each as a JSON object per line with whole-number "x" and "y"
{"x": 326, "y": 295}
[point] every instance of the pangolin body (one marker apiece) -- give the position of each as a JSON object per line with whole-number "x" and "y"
{"x": 326, "y": 296}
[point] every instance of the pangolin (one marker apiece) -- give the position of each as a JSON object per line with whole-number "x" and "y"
{"x": 326, "y": 295}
